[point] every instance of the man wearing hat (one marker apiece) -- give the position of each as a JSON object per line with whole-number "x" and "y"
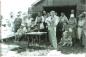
{"x": 17, "y": 22}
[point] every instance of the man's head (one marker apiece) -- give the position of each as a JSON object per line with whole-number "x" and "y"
{"x": 48, "y": 14}
{"x": 19, "y": 14}
{"x": 62, "y": 14}
{"x": 72, "y": 11}
{"x": 39, "y": 13}
{"x": 44, "y": 13}
{"x": 52, "y": 13}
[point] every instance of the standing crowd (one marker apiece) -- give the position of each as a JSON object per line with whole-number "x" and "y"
{"x": 61, "y": 30}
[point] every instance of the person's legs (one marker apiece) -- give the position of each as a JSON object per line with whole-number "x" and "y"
{"x": 59, "y": 32}
{"x": 45, "y": 29}
{"x": 53, "y": 38}
{"x": 79, "y": 35}
{"x": 49, "y": 33}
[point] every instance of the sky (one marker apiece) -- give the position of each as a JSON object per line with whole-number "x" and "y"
{"x": 14, "y": 6}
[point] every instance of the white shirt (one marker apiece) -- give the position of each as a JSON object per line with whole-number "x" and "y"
{"x": 44, "y": 18}
{"x": 49, "y": 21}
{"x": 56, "y": 20}
{"x": 72, "y": 15}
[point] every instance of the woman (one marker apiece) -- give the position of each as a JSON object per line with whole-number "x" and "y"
{"x": 44, "y": 16}
{"x": 52, "y": 22}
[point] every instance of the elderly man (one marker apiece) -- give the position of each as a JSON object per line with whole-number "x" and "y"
{"x": 17, "y": 22}
{"x": 52, "y": 22}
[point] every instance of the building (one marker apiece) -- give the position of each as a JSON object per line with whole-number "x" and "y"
{"x": 60, "y": 6}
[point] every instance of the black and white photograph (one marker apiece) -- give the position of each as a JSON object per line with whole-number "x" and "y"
{"x": 43, "y": 28}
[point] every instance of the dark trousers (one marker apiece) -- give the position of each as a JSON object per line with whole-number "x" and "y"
{"x": 59, "y": 32}
{"x": 16, "y": 28}
{"x": 45, "y": 29}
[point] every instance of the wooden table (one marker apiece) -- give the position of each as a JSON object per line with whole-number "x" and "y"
{"x": 37, "y": 35}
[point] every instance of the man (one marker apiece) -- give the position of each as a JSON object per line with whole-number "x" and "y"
{"x": 17, "y": 22}
{"x": 84, "y": 32}
{"x": 59, "y": 32}
{"x": 52, "y": 22}
{"x": 81, "y": 23}
{"x": 72, "y": 14}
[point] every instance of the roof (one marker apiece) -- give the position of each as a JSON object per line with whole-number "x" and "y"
{"x": 37, "y": 2}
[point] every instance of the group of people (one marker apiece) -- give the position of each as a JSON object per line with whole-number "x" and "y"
{"x": 61, "y": 30}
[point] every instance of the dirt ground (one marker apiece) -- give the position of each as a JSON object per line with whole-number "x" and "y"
{"x": 20, "y": 48}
